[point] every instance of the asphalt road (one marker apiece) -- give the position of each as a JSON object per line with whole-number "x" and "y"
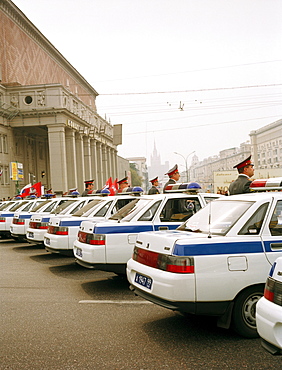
{"x": 58, "y": 315}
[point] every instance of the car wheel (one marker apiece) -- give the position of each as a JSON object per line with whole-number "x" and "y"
{"x": 244, "y": 312}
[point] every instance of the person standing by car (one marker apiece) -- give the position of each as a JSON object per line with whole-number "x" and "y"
{"x": 242, "y": 183}
{"x": 122, "y": 184}
{"x": 154, "y": 189}
{"x": 88, "y": 187}
{"x": 173, "y": 175}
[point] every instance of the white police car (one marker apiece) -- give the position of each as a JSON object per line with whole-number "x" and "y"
{"x": 21, "y": 219}
{"x": 39, "y": 222}
{"x": 269, "y": 309}
{"x": 108, "y": 245}
{"x": 6, "y": 217}
{"x": 62, "y": 230}
{"x": 215, "y": 263}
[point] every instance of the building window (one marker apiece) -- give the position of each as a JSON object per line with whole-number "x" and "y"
{"x": 4, "y": 178}
{"x": 28, "y": 99}
{"x": 3, "y": 144}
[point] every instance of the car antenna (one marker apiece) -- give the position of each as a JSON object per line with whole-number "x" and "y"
{"x": 209, "y": 234}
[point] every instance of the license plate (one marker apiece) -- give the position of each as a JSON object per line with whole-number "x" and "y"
{"x": 143, "y": 280}
{"x": 30, "y": 235}
{"x": 78, "y": 252}
{"x": 47, "y": 241}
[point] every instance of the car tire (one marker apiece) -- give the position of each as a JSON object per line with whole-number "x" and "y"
{"x": 244, "y": 311}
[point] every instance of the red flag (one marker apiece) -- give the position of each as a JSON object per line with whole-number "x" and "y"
{"x": 114, "y": 187}
{"x": 29, "y": 189}
{"x": 36, "y": 189}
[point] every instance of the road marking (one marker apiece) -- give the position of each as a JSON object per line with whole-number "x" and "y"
{"x": 115, "y": 302}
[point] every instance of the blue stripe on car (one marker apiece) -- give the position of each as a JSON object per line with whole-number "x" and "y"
{"x": 70, "y": 223}
{"x": 122, "y": 229}
{"x": 218, "y": 248}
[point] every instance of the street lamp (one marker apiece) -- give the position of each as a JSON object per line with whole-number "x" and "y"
{"x": 186, "y": 165}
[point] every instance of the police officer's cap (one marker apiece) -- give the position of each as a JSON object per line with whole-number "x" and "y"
{"x": 173, "y": 170}
{"x": 244, "y": 163}
{"x": 123, "y": 180}
{"x": 154, "y": 180}
{"x": 88, "y": 182}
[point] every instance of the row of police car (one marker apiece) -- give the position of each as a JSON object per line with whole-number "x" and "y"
{"x": 192, "y": 252}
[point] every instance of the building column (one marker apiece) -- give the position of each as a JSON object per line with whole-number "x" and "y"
{"x": 87, "y": 158}
{"x": 80, "y": 162}
{"x": 104, "y": 163}
{"x": 113, "y": 169}
{"x": 99, "y": 166}
{"x": 71, "y": 159}
{"x": 93, "y": 149}
{"x": 109, "y": 160}
{"x": 57, "y": 154}
{"x": 115, "y": 163}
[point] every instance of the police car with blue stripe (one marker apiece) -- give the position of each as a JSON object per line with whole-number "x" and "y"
{"x": 21, "y": 219}
{"x": 269, "y": 310}
{"x": 108, "y": 245}
{"x": 62, "y": 229}
{"x": 215, "y": 263}
{"x": 39, "y": 222}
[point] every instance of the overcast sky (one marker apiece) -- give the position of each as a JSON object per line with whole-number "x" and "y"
{"x": 220, "y": 61}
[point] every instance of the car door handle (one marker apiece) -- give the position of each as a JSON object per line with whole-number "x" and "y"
{"x": 276, "y": 246}
{"x": 163, "y": 228}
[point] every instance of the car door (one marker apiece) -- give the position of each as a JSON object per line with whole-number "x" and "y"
{"x": 272, "y": 233}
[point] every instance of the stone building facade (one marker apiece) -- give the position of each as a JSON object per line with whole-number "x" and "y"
{"x": 48, "y": 116}
{"x": 265, "y": 145}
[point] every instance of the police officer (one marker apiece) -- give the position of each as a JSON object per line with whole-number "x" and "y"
{"x": 122, "y": 184}
{"x": 154, "y": 189}
{"x": 242, "y": 183}
{"x": 173, "y": 175}
{"x": 88, "y": 187}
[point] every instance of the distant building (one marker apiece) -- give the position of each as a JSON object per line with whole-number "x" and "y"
{"x": 216, "y": 172}
{"x": 157, "y": 168}
{"x": 48, "y": 117}
{"x": 267, "y": 146}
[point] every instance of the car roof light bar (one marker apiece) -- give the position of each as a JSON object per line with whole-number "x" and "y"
{"x": 183, "y": 187}
{"x": 274, "y": 183}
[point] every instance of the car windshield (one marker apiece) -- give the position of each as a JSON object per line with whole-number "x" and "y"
{"x": 127, "y": 212}
{"x": 18, "y": 205}
{"x": 32, "y": 205}
{"x": 86, "y": 210}
{"x": 63, "y": 205}
{"x": 41, "y": 205}
{"x": 5, "y": 205}
{"x": 217, "y": 217}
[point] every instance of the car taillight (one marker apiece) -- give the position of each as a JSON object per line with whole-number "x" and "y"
{"x": 2, "y": 219}
{"x": 177, "y": 264}
{"x": 38, "y": 225}
{"x": 93, "y": 239}
{"x": 273, "y": 291}
{"x": 57, "y": 230}
{"x": 18, "y": 221}
{"x": 61, "y": 230}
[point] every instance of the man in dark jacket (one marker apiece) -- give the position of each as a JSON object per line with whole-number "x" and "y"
{"x": 154, "y": 189}
{"x": 242, "y": 183}
{"x": 88, "y": 187}
{"x": 173, "y": 175}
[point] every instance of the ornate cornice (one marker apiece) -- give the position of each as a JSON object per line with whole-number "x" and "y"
{"x": 19, "y": 18}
